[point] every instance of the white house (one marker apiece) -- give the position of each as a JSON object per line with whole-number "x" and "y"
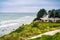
{"x": 47, "y": 19}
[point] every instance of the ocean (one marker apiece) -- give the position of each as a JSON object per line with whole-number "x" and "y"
{"x": 11, "y": 21}
{"x": 12, "y": 16}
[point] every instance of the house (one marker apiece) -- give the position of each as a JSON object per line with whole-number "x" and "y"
{"x": 47, "y": 19}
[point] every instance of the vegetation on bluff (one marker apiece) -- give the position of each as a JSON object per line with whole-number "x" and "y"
{"x": 48, "y": 37}
{"x": 29, "y": 30}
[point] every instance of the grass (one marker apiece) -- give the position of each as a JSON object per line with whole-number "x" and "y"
{"x": 29, "y": 30}
{"x": 47, "y": 37}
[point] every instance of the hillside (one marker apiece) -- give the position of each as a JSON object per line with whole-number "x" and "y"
{"x": 29, "y": 30}
{"x": 48, "y": 37}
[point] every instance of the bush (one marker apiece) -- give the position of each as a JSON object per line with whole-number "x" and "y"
{"x": 58, "y": 21}
{"x": 47, "y": 37}
{"x": 30, "y": 30}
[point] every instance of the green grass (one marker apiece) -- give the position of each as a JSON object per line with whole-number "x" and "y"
{"x": 47, "y": 37}
{"x": 29, "y": 30}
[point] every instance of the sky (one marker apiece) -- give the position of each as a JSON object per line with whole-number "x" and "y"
{"x": 28, "y": 5}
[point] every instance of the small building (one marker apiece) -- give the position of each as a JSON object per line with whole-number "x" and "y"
{"x": 50, "y": 19}
{"x": 46, "y": 19}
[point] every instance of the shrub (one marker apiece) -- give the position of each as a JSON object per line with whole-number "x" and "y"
{"x": 58, "y": 21}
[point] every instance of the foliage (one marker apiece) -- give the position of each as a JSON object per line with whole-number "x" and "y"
{"x": 53, "y": 13}
{"x": 48, "y": 37}
{"x": 41, "y": 13}
{"x": 30, "y": 30}
{"x": 58, "y": 21}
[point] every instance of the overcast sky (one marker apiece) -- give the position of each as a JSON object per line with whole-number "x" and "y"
{"x": 28, "y": 5}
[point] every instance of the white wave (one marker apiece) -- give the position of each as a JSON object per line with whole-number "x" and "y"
{"x": 8, "y": 28}
{"x": 23, "y": 20}
{"x": 10, "y": 25}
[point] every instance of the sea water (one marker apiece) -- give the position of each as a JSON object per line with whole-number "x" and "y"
{"x": 11, "y": 21}
{"x": 9, "y": 16}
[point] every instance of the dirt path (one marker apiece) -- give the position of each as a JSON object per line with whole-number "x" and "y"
{"x": 47, "y": 33}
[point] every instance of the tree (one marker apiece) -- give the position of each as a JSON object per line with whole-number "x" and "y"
{"x": 58, "y": 13}
{"x": 52, "y": 13}
{"x": 49, "y": 13}
{"x": 41, "y": 13}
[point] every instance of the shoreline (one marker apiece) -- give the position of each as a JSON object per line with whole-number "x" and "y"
{"x": 7, "y": 27}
